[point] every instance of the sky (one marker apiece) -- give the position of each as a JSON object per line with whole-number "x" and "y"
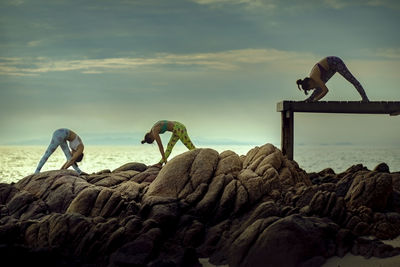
{"x": 110, "y": 69}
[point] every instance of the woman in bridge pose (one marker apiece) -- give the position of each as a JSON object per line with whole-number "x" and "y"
{"x": 60, "y": 138}
{"x": 321, "y": 73}
{"x": 179, "y": 132}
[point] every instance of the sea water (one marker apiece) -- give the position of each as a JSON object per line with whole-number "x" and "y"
{"x": 16, "y": 162}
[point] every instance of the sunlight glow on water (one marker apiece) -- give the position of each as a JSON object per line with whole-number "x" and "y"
{"x": 20, "y": 161}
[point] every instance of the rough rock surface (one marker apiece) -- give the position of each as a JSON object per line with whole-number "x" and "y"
{"x": 255, "y": 210}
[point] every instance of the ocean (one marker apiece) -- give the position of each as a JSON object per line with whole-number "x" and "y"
{"x": 16, "y": 162}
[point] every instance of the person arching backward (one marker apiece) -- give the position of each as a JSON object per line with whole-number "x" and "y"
{"x": 60, "y": 138}
{"x": 178, "y": 133}
{"x": 321, "y": 73}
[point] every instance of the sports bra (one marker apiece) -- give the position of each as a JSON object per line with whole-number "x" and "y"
{"x": 164, "y": 126}
{"x": 75, "y": 143}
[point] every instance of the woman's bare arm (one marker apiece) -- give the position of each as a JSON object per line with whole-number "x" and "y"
{"x": 159, "y": 143}
{"x": 324, "y": 90}
{"x": 72, "y": 160}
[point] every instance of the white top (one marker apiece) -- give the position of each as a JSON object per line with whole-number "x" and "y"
{"x": 75, "y": 143}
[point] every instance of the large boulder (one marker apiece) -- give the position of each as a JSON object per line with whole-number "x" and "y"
{"x": 56, "y": 188}
{"x": 266, "y": 169}
{"x": 183, "y": 174}
{"x": 132, "y": 166}
{"x": 290, "y": 241}
{"x": 370, "y": 189}
{"x": 229, "y": 163}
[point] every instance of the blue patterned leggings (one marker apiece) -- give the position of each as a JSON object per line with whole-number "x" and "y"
{"x": 337, "y": 65}
{"x": 59, "y": 139}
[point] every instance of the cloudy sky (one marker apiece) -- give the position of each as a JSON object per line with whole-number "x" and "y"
{"x": 109, "y": 69}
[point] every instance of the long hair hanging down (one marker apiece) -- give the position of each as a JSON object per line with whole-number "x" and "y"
{"x": 304, "y": 85}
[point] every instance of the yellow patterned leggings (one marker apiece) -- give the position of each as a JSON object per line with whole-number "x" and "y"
{"x": 179, "y": 133}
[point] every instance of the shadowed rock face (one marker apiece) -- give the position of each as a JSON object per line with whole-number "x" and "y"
{"x": 255, "y": 210}
{"x": 287, "y": 241}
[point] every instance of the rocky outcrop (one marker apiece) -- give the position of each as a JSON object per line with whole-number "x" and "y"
{"x": 254, "y": 210}
{"x": 371, "y": 190}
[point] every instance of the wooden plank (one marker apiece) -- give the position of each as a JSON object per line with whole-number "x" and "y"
{"x": 356, "y": 107}
{"x": 287, "y": 134}
{"x": 287, "y": 109}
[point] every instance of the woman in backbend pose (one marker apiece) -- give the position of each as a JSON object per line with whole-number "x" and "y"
{"x": 60, "y": 138}
{"x": 321, "y": 73}
{"x": 178, "y": 133}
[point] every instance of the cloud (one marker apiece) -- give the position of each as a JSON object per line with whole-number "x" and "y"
{"x": 222, "y": 61}
{"x": 14, "y": 2}
{"x": 210, "y": 2}
{"x": 273, "y": 4}
{"x": 34, "y": 43}
{"x": 264, "y": 4}
{"x": 395, "y": 4}
{"x": 10, "y": 66}
{"x": 339, "y": 4}
{"x": 225, "y": 61}
{"x": 388, "y": 53}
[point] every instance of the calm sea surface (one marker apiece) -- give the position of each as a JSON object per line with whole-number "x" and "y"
{"x": 16, "y": 162}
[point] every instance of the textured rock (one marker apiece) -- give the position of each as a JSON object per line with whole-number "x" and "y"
{"x": 265, "y": 169}
{"x": 260, "y": 209}
{"x": 229, "y": 163}
{"x": 84, "y": 201}
{"x": 287, "y": 242}
{"x": 382, "y": 167}
{"x": 56, "y": 188}
{"x": 396, "y": 181}
{"x": 184, "y": 173}
{"x": 138, "y": 252}
{"x": 133, "y": 166}
{"x": 371, "y": 190}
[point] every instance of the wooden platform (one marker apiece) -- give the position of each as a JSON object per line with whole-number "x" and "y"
{"x": 287, "y": 109}
{"x": 373, "y": 107}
